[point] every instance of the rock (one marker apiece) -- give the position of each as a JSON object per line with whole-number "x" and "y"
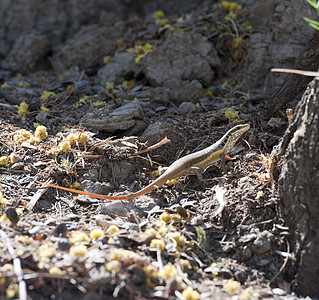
{"x": 158, "y": 95}
{"x": 102, "y": 188}
{"x": 50, "y": 222}
{"x": 157, "y": 131}
{"x": 185, "y": 55}
{"x": 41, "y": 117}
{"x": 27, "y": 50}
{"x": 121, "y": 118}
{"x": 115, "y": 70}
{"x": 187, "y": 107}
{"x": 246, "y": 252}
{"x": 262, "y": 243}
{"x": 90, "y": 43}
{"x": 118, "y": 208}
{"x": 122, "y": 170}
{"x": 91, "y": 174}
{"x": 180, "y": 91}
{"x": 64, "y": 244}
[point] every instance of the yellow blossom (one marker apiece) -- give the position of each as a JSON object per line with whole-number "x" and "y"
{"x": 122, "y": 254}
{"x": 106, "y": 59}
{"x": 23, "y": 84}
{"x": 225, "y": 5}
{"x": 158, "y": 14}
{"x": 78, "y": 236}
{"x": 96, "y": 233}
{"x": 190, "y": 294}
{"x": 78, "y": 250}
{"x": 24, "y": 239}
{"x": 46, "y": 94}
{"x": 246, "y": 294}
{"x": 232, "y": 287}
{"x": 23, "y": 109}
{"x": 112, "y": 230}
{"x": 180, "y": 240}
{"x": 234, "y": 7}
{"x": 167, "y": 217}
{"x": 109, "y": 86}
{"x": 149, "y": 233}
{"x": 46, "y": 251}
{"x": 4, "y": 160}
{"x": 113, "y": 266}
{"x": 81, "y": 138}
{"x": 43, "y": 108}
{"x": 64, "y": 146}
{"x": 41, "y": 133}
{"x": 156, "y": 243}
{"x": 5, "y": 85}
{"x": 128, "y": 84}
{"x": 185, "y": 264}
{"x": 14, "y": 158}
{"x": 12, "y": 290}
{"x": 169, "y": 271}
{"x": 55, "y": 271}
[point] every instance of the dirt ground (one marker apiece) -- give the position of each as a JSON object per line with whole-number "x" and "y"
{"x": 215, "y": 238}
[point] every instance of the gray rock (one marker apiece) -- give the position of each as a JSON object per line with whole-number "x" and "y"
{"x": 184, "y": 91}
{"x": 102, "y": 188}
{"x": 156, "y": 131}
{"x": 185, "y": 55}
{"x": 90, "y": 43}
{"x": 157, "y": 95}
{"x": 58, "y": 20}
{"x": 91, "y": 174}
{"x": 262, "y": 243}
{"x": 28, "y": 49}
{"x": 119, "y": 208}
{"x": 246, "y": 252}
{"x": 41, "y": 117}
{"x": 114, "y": 71}
{"x": 121, "y": 118}
{"x": 187, "y": 108}
{"x": 122, "y": 170}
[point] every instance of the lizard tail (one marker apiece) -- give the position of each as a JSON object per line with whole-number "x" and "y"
{"x": 98, "y": 196}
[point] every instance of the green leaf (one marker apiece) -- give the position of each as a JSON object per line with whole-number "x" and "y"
{"x": 313, "y": 23}
{"x": 313, "y": 3}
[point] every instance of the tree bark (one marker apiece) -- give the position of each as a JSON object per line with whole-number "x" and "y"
{"x": 298, "y": 188}
{"x": 295, "y": 84}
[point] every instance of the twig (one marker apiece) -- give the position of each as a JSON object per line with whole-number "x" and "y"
{"x": 293, "y": 71}
{"x": 220, "y": 192}
{"x": 16, "y": 266}
{"x": 38, "y": 195}
{"x": 164, "y": 141}
{"x": 284, "y": 264}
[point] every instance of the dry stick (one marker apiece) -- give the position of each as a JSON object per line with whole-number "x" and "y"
{"x": 16, "y": 266}
{"x": 293, "y": 71}
{"x": 220, "y": 192}
{"x": 38, "y": 195}
{"x": 283, "y": 265}
{"x": 157, "y": 145}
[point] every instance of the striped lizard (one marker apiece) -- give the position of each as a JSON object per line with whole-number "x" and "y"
{"x": 190, "y": 164}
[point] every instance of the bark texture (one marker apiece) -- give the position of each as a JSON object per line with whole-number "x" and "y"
{"x": 298, "y": 188}
{"x": 294, "y": 84}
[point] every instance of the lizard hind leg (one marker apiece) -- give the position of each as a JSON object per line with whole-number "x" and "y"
{"x": 195, "y": 171}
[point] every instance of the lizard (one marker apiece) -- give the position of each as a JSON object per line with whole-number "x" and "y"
{"x": 192, "y": 163}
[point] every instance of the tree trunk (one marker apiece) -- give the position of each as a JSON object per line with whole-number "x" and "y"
{"x": 298, "y": 188}
{"x": 295, "y": 84}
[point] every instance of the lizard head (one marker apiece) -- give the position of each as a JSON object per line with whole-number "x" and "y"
{"x": 232, "y": 136}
